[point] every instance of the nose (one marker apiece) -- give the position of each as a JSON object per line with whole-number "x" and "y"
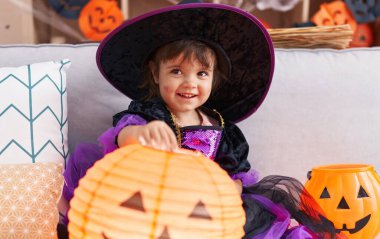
{"x": 164, "y": 234}
{"x": 343, "y": 204}
{"x": 190, "y": 81}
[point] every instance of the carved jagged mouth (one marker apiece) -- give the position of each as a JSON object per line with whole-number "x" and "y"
{"x": 358, "y": 224}
{"x": 164, "y": 234}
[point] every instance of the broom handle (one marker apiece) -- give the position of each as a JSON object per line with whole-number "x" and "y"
{"x": 305, "y": 10}
{"x": 125, "y": 8}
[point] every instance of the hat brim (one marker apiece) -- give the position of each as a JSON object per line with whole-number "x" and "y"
{"x": 122, "y": 55}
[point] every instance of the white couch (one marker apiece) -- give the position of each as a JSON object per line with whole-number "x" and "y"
{"x": 323, "y": 106}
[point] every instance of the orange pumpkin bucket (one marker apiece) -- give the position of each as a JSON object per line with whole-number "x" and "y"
{"x": 99, "y": 17}
{"x": 139, "y": 192}
{"x": 349, "y": 194}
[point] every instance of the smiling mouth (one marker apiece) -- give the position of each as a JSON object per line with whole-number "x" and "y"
{"x": 358, "y": 224}
{"x": 186, "y": 95}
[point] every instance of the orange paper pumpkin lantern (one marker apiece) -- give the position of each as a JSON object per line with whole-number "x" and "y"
{"x": 139, "y": 192}
{"x": 350, "y": 197}
{"x": 363, "y": 36}
{"x": 334, "y": 13}
{"x": 98, "y": 18}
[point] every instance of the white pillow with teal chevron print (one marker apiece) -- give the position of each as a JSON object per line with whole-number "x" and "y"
{"x": 33, "y": 113}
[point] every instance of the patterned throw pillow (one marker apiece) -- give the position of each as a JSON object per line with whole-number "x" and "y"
{"x": 28, "y": 200}
{"x": 33, "y": 113}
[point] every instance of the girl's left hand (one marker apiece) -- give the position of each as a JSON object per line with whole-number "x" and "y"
{"x": 156, "y": 134}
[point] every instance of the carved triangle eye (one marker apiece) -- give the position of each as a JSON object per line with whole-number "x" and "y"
{"x": 325, "y": 194}
{"x": 165, "y": 234}
{"x": 134, "y": 202}
{"x": 362, "y": 193}
{"x": 200, "y": 212}
{"x": 105, "y": 236}
{"x": 343, "y": 204}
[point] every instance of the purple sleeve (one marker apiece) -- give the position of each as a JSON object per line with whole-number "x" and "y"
{"x": 108, "y": 138}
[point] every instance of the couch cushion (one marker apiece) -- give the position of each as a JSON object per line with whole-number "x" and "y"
{"x": 33, "y": 113}
{"x": 28, "y": 200}
{"x": 92, "y": 101}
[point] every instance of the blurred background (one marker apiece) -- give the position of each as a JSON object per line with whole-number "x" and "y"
{"x": 80, "y": 21}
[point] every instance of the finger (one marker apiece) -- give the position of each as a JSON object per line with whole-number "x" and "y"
{"x": 160, "y": 134}
{"x": 155, "y": 136}
{"x": 147, "y": 138}
{"x": 171, "y": 138}
{"x": 187, "y": 151}
{"x": 165, "y": 137}
{"x": 142, "y": 140}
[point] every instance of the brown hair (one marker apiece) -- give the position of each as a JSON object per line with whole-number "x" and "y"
{"x": 189, "y": 49}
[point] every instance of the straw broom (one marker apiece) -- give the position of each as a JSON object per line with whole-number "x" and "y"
{"x": 337, "y": 37}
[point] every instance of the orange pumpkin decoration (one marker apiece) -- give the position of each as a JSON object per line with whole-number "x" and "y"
{"x": 350, "y": 197}
{"x": 363, "y": 36}
{"x": 334, "y": 13}
{"x": 139, "y": 192}
{"x": 99, "y": 17}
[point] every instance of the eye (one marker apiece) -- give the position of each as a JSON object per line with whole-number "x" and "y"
{"x": 176, "y": 72}
{"x": 326, "y": 22}
{"x": 337, "y": 13}
{"x": 325, "y": 194}
{"x": 200, "y": 212}
{"x": 135, "y": 202}
{"x": 112, "y": 18}
{"x": 362, "y": 193}
{"x": 100, "y": 10}
{"x": 202, "y": 73}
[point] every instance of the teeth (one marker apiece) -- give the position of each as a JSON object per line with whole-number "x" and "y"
{"x": 186, "y": 95}
{"x": 338, "y": 225}
{"x": 350, "y": 225}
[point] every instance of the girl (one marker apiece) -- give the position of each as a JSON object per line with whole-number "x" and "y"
{"x": 204, "y": 66}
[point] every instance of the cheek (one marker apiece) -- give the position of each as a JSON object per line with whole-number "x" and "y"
{"x": 207, "y": 87}
{"x": 166, "y": 90}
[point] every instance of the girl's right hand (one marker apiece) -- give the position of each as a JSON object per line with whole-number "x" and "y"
{"x": 156, "y": 134}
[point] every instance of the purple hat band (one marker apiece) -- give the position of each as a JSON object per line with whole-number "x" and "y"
{"x": 261, "y": 57}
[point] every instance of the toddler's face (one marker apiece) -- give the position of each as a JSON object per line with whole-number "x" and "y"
{"x": 185, "y": 84}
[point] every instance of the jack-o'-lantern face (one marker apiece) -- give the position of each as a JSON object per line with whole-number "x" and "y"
{"x": 138, "y": 192}
{"x": 350, "y": 197}
{"x": 99, "y": 17}
{"x": 334, "y": 13}
{"x": 198, "y": 214}
{"x": 363, "y": 36}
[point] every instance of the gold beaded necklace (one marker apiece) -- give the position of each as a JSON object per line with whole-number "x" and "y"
{"x": 177, "y": 126}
